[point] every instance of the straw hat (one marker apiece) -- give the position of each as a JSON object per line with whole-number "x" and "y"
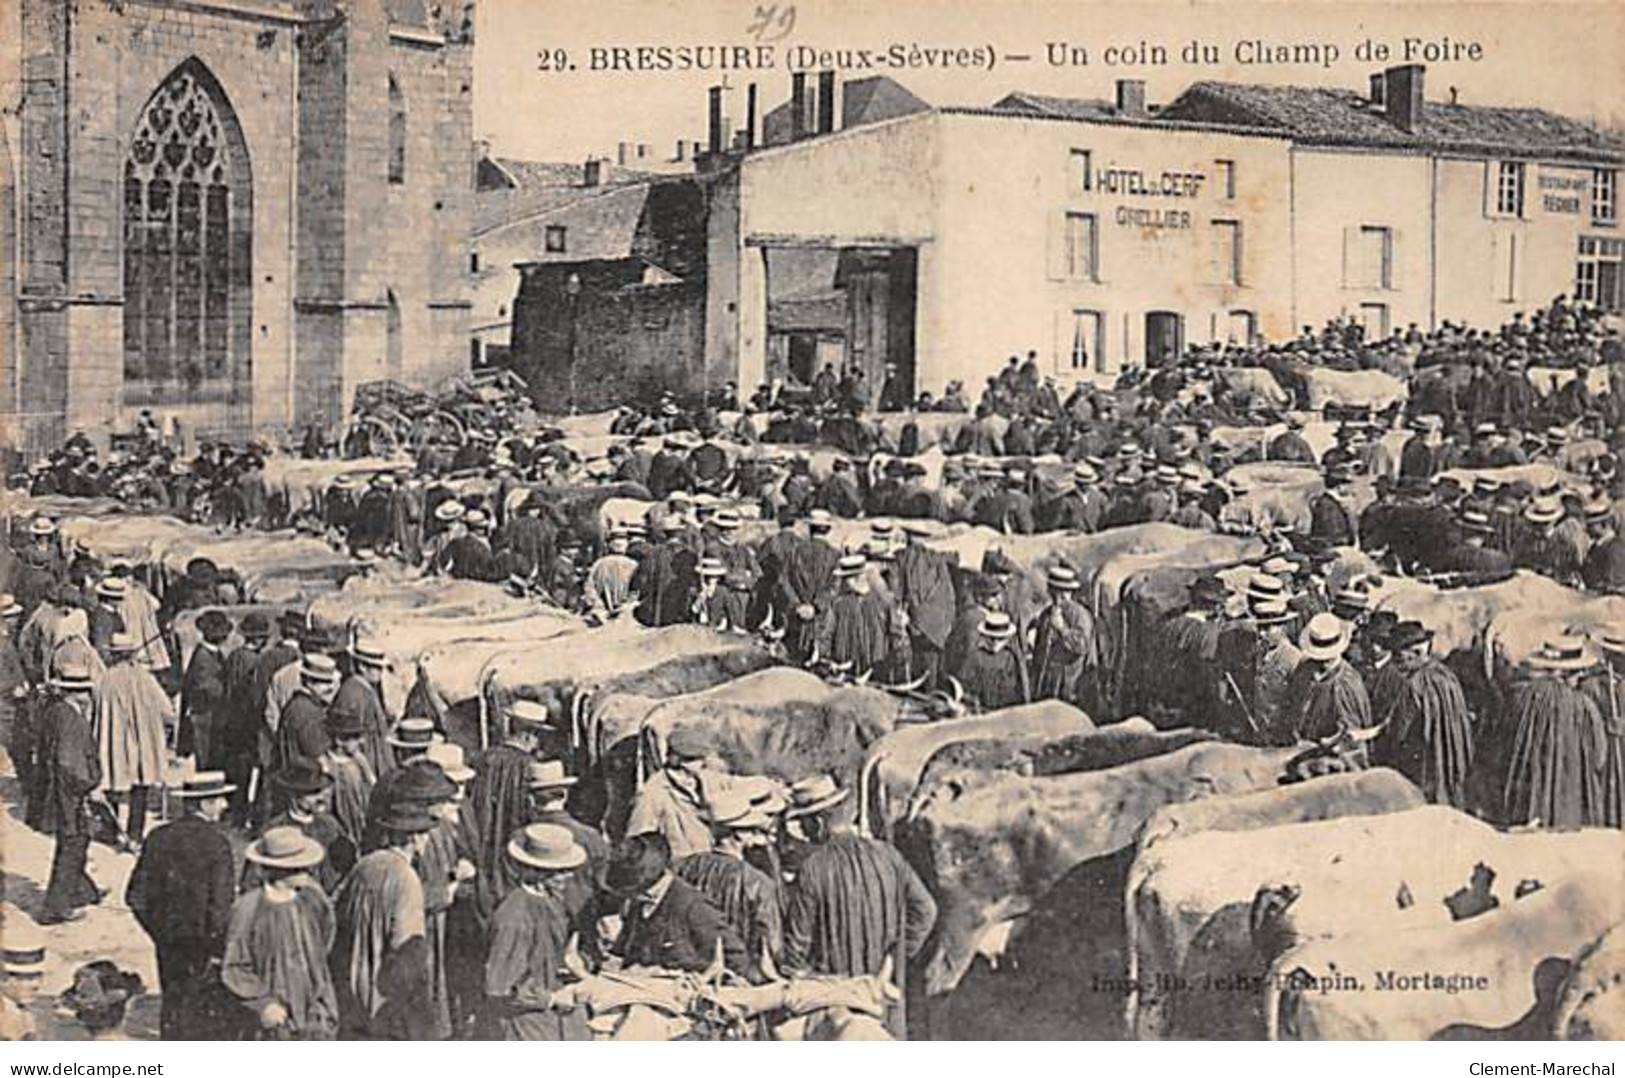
{"x": 71, "y": 675}
{"x": 42, "y": 526}
{"x": 1544, "y": 511}
{"x": 1063, "y": 577}
{"x": 202, "y": 784}
{"x": 996, "y": 625}
{"x": 726, "y": 519}
{"x": 285, "y": 847}
{"x": 413, "y": 733}
{"x": 112, "y": 588}
{"x": 9, "y": 606}
{"x": 1566, "y": 652}
{"x": 850, "y": 565}
{"x": 712, "y": 567}
{"x": 122, "y": 642}
{"x": 448, "y": 756}
{"x": 549, "y": 775}
{"x": 814, "y": 794}
{"x": 1324, "y": 638}
{"x": 528, "y": 712}
{"x": 547, "y": 846}
{"x": 318, "y": 669}
{"x": 449, "y": 510}
{"x": 368, "y": 653}
{"x": 1269, "y": 611}
{"x": 23, "y": 954}
{"x": 731, "y": 806}
{"x": 820, "y": 520}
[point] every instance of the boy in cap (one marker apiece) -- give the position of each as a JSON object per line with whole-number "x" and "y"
{"x": 672, "y": 801}
{"x": 181, "y": 892}
{"x": 277, "y": 941}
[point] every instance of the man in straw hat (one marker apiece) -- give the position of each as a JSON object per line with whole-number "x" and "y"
{"x": 925, "y": 593}
{"x": 66, "y": 752}
{"x": 362, "y": 692}
{"x": 855, "y": 902}
{"x": 278, "y": 939}
{"x": 105, "y": 619}
{"x": 745, "y": 895}
{"x": 550, "y": 790}
{"x": 1558, "y": 761}
{"x": 22, "y": 969}
{"x": 1427, "y": 731}
{"x": 1066, "y": 650}
{"x": 1276, "y": 658}
{"x": 132, "y": 712}
{"x": 1325, "y": 696}
{"x": 380, "y": 956}
{"x": 672, "y": 801}
{"x": 529, "y": 934}
{"x": 181, "y": 892}
{"x": 665, "y": 921}
{"x": 855, "y": 627}
{"x": 1604, "y": 568}
{"x": 995, "y": 672}
{"x": 307, "y": 792}
{"x": 302, "y": 731}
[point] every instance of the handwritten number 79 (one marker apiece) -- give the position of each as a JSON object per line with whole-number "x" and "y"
{"x": 772, "y": 23}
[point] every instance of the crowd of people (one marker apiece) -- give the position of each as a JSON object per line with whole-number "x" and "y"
{"x": 396, "y": 887}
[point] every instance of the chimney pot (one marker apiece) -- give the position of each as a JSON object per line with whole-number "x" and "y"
{"x": 714, "y": 130}
{"x": 682, "y": 150}
{"x": 643, "y": 150}
{"x": 750, "y": 117}
{"x": 826, "y": 102}
{"x": 1131, "y": 98}
{"x": 798, "y": 106}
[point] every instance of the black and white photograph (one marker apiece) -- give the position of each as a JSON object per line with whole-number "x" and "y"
{"x": 806, "y": 520}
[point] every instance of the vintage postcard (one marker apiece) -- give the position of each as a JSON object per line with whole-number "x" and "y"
{"x": 808, "y": 520}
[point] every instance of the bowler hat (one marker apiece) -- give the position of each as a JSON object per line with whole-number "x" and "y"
{"x": 407, "y": 818}
{"x": 255, "y": 626}
{"x": 638, "y": 862}
{"x": 302, "y": 779}
{"x": 214, "y": 626}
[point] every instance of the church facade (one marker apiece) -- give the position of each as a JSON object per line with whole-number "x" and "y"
{"x": 229, "y": 212}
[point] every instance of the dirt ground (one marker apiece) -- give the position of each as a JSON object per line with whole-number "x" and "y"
{"x": 108, "y": 930}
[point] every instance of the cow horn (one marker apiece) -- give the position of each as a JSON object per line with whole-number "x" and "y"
{"x": 572, "y": 958}
{"x": 957, "y": 689}
{"x": 887, "y": 984}
{"x": 1361, "y": 735}
{"x": 863, "y": 678}
{"x": 769, "y": 968}
{"x": 907, "y": 687}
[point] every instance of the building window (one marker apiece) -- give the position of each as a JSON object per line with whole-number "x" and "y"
{"x": 553, "y": 241}
{"x": 473, "y": 262}
{"x": 1082, "y": 247}
{"x": 1227, "y": 251}
{"x": 1369, "y": 258}
{"x": 397, "y": 133}
{"x": 1604, "y": 196}
{"x": 188, "y": 209}
{"x": 1509, "y": 189}
{"x": 1374, "y": 317}
{"x": 1087, "y": 342}
{"x": 1225, "y": 178}
{"x": 1597, "y": 276}
{"x": 1081, "y": 180}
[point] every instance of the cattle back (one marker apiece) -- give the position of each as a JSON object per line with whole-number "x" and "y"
{"x": 1509, "y": 965}
{"x": 990, "y": 850}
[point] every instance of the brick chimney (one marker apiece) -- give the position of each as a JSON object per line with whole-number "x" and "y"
{"x": 798, "y": 106}
{"x": 592, "y": 172}
{"x": 1404, "y": 94}
{"x": 682, "y": 150}
{"x": 1379, "y": 86}
{"x": 750, "y": 117}
{"x": 826, "y": 102}
{"x": 623, "y": 153}
{"x": 1131, "y": 98}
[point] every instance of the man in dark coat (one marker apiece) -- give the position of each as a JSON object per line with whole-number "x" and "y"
{"x": 666, "y": 580}
{"x": 203, "y": 716}
{"x": 925, "y": 591}
{"x": 1079, "y": 508}
{"x": 1472, "y": 555}
{"x": 1558, "y": 765}
{"x": 745, "y": 895}
{"x": 531, "y": 537}
{"x": 239, "y": 736}
{"x": 855, "y": 902}
{"x": 1427, "y": 732}
{"x": 670, "y": 470}
{"x": 105, "y": 619}
{"x": 499, "y": 801}
{"x": 527, "y": 940}
{"x": 1331, "y": 521}
{"x": 806, "y": 571}
{"x": 181, "y": 893}
{"x": 1290, "y": 446}
{"x": 839, "y": 493}
{"x": 995, "y": 671}
{"x": 666, "y": 922}
{"x": 855, "y": 627}
{"x": 1066, "y": 647}
{"x": 66, "y": 754}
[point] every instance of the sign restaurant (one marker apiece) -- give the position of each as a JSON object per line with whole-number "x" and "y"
{"x": 1137, "y": 183}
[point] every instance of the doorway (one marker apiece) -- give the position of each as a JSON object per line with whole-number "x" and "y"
{"x": 1164, "y": 338}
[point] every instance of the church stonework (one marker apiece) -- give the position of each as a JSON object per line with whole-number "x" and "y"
{"x": 231, "y": 212}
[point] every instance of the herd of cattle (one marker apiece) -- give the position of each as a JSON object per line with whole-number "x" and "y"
{"x": 1093, "y": 880}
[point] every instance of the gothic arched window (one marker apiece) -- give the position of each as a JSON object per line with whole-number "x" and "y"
{"x": 397, "y": 133}
{"x": 188, "y": 206}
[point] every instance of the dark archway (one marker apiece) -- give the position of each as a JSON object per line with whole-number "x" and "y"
{"x": 188, "y": 246}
